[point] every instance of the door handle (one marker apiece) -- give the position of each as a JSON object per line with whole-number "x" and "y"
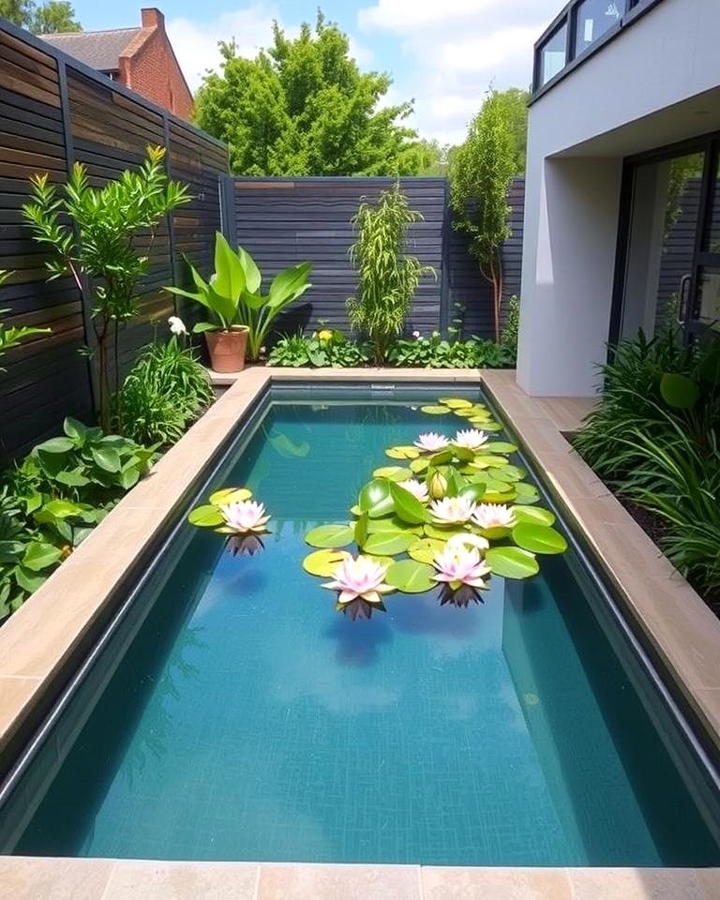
{"x": 684, "y": 298}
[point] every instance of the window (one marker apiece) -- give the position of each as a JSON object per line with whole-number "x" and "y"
{"x": 553, "y": 55}
{"x": 593, "y": 19}
{"x": 711, "y": 242}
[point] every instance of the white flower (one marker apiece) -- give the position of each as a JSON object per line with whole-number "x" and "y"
{"x": 472, "y": 439}
{"x": 452, "y": 510}
{"x": 469, "y": 540}
{"x": 245, "y": 516}
{"x": 177, "y": 326}
{"x": 457, "y": 565}
{"x": 359, "y": 577}
{"x": 417, "y": 488}
{"x": 431, "y": 442}
{"x": 417, "y": 335}
{"x": 493, "y": 515}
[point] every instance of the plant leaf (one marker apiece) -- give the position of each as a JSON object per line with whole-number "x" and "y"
{"x": 539, "y": 538}
{"x": 39, "y": 555}
{"x": 331, "y": 536}
{"x": 511, "y": 562}
{"x": 407, "y": 507}
{"x": 388, "y": 543}
{"x": 324, "y": 562}
{"x": 107, "y": 458}
{"x": 207, "y": 516}
{"x": 411, "y": 576}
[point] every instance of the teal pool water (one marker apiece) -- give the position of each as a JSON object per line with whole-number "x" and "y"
{"x": 249, "y": 720}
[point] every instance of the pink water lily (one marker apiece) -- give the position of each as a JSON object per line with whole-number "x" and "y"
{"x": 359, "y": 578}
{"x": 452, "y": 510}
{"x": 493, "y": 515}
{"x": 471, "y": 438}
{"x": 417, "y": 488}
{"x": 245, "y": 516}
{"x": 457, "y": 565}
{"x": 431, "y": 442}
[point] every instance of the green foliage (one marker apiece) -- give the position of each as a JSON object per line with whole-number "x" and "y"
{"x": 480, "y": 175}
{"x": 654, "y": 438}
{"x": 436, "y": 352}
{"x": 434, "y": 158}
{"x": 91, "y": 233}
{"x": 164, "y": 392}
{"x": 324, "y": 348}
{"x": 45, "y": 18}
{"x": 509, "y": 337}
{"x": 302, "y": 107}
{"x": 234, "y": 295}
{"x": 54, "y": 498}
{"x": 10, "y": 335}
{"x": 387, "y": 277}
{"x": 516, "y": 101}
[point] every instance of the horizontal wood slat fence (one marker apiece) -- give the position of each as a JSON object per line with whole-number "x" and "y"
{"x": 282, "y": 221}
{"x": 55, "y": 111}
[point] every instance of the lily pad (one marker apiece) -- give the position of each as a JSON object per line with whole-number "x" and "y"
{"x": 534, "y": 515}
{"x": 539, "y": 538}
{"x": 331, "y": 536}
{"x": 426, "y": 549}
{"x": 419, "y": 465}
{"x": 375, "y": 498}
{"x": 511, "y": 562}
{"x": 403, "y": 452}
{"x": 492, "y": 426}
{"x": 207, "y": 516}
{"x": 509, "y": 473}
{"x": 435, "y": 410}
{"x": 324, "y": 562}
{"x": 392, "y": 523}
{"x": 443, "y": 534}
{"x": 498, "y": 497}
{"x": 500, "y": 447}
{"x": 466, "y": 413}
{"x": 361, "y": 530}
{"x": 526, "y": 493}
{"x": 394, "y": 473}
{"x": 411, "y": 576}
{"x": 230, "y": 495}
{"x": 389, "y": 543}
{"x": 487, "y": 461}
{"x": 407, "y": 507}
{"x": 455, "y": 402}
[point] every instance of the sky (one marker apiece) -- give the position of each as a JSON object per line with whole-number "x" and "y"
{"x": 443, "y": 54}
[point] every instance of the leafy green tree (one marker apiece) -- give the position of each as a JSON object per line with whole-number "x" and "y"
{"x": 303, "y": 107}
{"x": 434, "y": 157}
{"x": 46, "y": 18}
{"x": 516, "y": 108}
{"x": 481, "y": 171}
{"x": 387, "y": 276}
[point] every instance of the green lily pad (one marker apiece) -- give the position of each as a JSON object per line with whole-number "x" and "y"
{"x": 511, "y": 562}
{"x": 207, "y": 516}
{"x": 467, "y": 413}
{"x": 500, "y": 447}
{"x": 375, "y": 498}
{"x": 491, "y": 426}
{"x": 324, "y": 562}
{"x": 442, "y": 534}
{"x": 539, "y": 538}
{"x": 230, "y": 495}
{"x": 411, "y": 576}
{"x": 407, "y": 506}
{"x": 394, "y": 473}
{"x": 509, "y": 473}
{"x": 419, "y": 465}
{"x": 426, "y": 549}
{"x": 389, "y": 543}
{"x": 486, "y": 461}
{"x": 355, "y": 510}
{"x": 392, "y": 523}
{"x": 404, "y": 452}
{"x": 526, "y": 493}
{"x": 534, "y": 515}
{"x": 455, "y": 402}
{"x": 361, "y": 530}
{"x": 331, "y": 536}
{"x": 435, "y": 410}
{"x": 498, "y": 497}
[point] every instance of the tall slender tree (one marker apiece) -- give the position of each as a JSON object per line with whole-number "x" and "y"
{"x": 44, "y": 18}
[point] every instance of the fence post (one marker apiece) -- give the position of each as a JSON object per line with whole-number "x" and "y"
{"x": 445, "y": 264}
{"x": 88, "y": 327}
{"x": 226, "y": 196}
{"x": 171, "y": 215}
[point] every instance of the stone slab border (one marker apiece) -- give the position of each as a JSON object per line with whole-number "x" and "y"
{"x": 45, "y": 635}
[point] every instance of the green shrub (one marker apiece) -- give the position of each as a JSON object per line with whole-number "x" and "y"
{"x": 436, "y": 352}
{"x": 323, "y": 348}
{"x": 509, "y": 338}
{"x": 165, "y": 390}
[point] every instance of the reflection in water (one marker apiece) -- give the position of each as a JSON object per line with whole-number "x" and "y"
{"x": 244, "y": 544}
{"x": 358, "y": 645}
{"x": 460, "y": 597}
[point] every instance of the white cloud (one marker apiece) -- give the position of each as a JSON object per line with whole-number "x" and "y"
{"x": 454, "y": 50}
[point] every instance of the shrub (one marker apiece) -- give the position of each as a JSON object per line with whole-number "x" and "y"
{"x": 387, "y": 277}
{"x": 509, "y": 338}
{"x": 323, "y": 348}
{"x": 436, "y": 352}
{"x": 165, "y": 390}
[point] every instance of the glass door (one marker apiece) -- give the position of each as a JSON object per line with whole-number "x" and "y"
{"x": 703, "y": 312}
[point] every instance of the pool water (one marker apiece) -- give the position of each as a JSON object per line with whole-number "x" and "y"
{"x": 250, "y": 720}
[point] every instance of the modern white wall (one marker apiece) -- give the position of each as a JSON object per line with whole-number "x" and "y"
{"x": 657, "y": 82}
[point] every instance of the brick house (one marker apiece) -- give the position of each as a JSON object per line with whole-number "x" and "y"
{"x": 140, "y": 58}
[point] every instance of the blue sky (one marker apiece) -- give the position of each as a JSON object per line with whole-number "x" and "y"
{"x": 441, "y": 53}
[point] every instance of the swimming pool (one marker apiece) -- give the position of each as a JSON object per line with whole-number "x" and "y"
{"x": 249, "y": 720}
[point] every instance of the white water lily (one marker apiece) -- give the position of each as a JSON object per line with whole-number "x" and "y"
{"x": 177, "y": 326}
{"x": 471, "y": 438}
{"x": 245, "y": 516}
{"x": 469, "y": 540}
{"x": 417, "y": 488}
{"x": 493, "y": 515}
{"x": 359, "y": 578}
{"x": 431, "y": 442}
{"x": 457, "y": 565}
{"x": 452, "y": 510}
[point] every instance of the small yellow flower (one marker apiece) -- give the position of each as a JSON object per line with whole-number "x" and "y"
{"x": 325, "y": 335}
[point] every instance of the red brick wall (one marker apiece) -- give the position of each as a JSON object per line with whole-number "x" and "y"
{"x": 149, "y": 67}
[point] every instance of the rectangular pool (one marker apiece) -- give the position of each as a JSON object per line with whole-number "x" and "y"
{"x": 246, "y": 719}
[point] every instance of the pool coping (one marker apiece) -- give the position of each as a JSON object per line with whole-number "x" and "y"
{"x": 684, "y": 631}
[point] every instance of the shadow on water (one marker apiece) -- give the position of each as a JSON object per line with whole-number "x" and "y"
{"x": 358, "y": 642}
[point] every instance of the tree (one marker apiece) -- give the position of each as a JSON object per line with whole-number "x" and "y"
{"x": 91, "y": 234}
{"x": 303, "y": 107}
{"x": 516, "y": 109}
{"x": 434, "y": 157}
{"x": 387, "y": 277}
{"x": 48, "y": 18}
{"x": 481, "y": 171}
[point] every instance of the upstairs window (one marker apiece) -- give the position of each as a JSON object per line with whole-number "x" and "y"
{"x": 553, "y": 54}
{"x": 593, "y": 19}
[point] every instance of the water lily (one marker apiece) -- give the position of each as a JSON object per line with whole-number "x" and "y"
{"x": 431, "y": 442}
{"x": 471, "y": 438}
{"x": 438, "y": 486}
{"x": 177, "y": 326}
{"x": 468, "y": 540}
{"x": 359, "y": 578}
{"x": 245, "y": 516}
{"x": 493, "y": 515}
{"x": 416, "y": 488}
{"x": 452, "y": 510}
{"x": 457, "y": 564}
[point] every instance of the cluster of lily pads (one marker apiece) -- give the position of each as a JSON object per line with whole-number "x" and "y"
{"x": 451, "y": 512}
{"x": 231, "y": 512}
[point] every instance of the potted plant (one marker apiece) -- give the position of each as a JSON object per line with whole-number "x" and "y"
{"x": 243, "y": 315}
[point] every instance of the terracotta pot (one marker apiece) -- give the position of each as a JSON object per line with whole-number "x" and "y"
{"x": 227, "y": 349}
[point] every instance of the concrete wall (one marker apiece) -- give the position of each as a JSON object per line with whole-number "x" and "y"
{"x": 657, "y": 82}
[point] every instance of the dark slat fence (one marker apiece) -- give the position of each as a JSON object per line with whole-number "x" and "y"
{"x": 55, "y": 111}
{"x": 282, "y": 221}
